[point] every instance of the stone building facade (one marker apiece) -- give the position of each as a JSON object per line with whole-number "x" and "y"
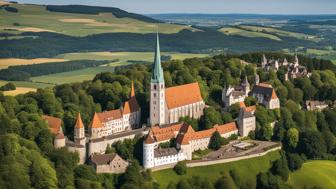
{"x": 108, "y": 163}
{"x": 265, "y": 94}
{"x": 246, "y": 120}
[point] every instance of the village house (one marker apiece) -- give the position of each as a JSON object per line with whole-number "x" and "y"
{"x": 108, "y": 163}
{"x": 265, "y": 94}
{"x": 314, "y": 105}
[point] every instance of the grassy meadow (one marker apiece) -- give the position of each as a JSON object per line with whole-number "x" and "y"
{"x": 319, "y": 173}
{"x": 35, "y": 18}
{"x": 246, "y": 33}
{"x": 247, "y": 169}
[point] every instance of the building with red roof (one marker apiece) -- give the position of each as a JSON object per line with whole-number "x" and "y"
{"x": 265, "y": 94}
{"x": 187, "y": 141}
{"x": 114, "y": 121}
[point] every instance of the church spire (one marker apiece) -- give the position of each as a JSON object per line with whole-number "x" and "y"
{"x": 157, "y": 72}
{"x": 132, "y": 90}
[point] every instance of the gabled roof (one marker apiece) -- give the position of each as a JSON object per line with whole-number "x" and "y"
{"x": 79, "y": 123}
{"x": 103, "y": 159}
{"x": 222, "y": 129}
{"x": 266, "y": 89}
{"x": 109, "y": 115}
{"x": 183, "y": 95}
{"x": 54, "y": 123}
{"x": 131, "y": 106}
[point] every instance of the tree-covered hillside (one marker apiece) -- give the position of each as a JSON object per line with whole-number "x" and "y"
{"x": 27, "y": 152}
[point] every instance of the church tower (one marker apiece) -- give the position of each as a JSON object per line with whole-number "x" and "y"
{"x": 79, "y": 131}
{"x": 157, "y": 96}
{"x": 246, "y": 86}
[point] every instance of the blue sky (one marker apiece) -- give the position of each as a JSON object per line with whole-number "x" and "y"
{"x": 209, "y": 6}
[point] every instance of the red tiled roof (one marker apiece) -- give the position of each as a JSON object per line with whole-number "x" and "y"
{"x": 110, "y": 115}
{"x": 183, "y": 95}
{"x": 166, "y": 133}
{"x": 54, "y": 123}
{"x": 222, "y": 129}
{"x": 242, "y": 104}
{"x": 95, "y": 123}
{"x": 251, "y": 108}
{"x": 79, "y": 122}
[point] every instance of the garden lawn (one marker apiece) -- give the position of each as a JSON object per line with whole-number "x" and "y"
{"x": 315, "y": 173}
{"x": 247, "y": 169}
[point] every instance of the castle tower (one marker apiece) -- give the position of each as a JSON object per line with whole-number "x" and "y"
{"x": 296, "y": 61}
{"x": 246, "y": 86}
{"x": 257, "y": 79}
{"x": 157, "y": 96}
{"x": 263, "y": 61}
{"x": 148, "y": 151}
{"x": 79, "y": 131}
{"x": 95, "y": 127}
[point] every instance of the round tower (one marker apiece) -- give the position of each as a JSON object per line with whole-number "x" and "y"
{"x": 148, "y": 151}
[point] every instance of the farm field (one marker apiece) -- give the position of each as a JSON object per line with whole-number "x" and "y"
{"x": 35, "y": 18}
{"x": 89, "y": 73}
{"x": 279, "y": 32}
{"x": 315, "y": 173}
{"x": 19, "y": 90}
{"x": 248, "y": 169}
{"x": 27, "y": 84}
{"x": 245, "y": 33}
{"x": 5, "y": 62}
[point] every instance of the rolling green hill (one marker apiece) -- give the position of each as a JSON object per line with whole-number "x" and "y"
{"x": 315, "y": 173}
{"x": 78, "y": 21}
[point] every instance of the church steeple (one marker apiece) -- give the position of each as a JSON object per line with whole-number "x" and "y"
{"x": 132, "y": 90}
{"x": 157, "y": 72}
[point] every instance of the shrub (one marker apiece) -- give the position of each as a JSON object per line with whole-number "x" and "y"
{"x": 11, "y": 9}
{"x": 294, "y": 161}
{"x": 8, "y": 87}
{"x": 180, "y": 168}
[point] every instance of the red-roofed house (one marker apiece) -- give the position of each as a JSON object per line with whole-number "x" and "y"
{"x": 115, "y": 121}
{"x": 265, "y": 94}
{"x": 187, "y": 139}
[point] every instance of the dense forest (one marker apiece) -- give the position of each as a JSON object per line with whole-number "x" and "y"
{"x": 46, "y": 44}
{"x": 82, "y": 9}
{"x": 30, "y": 161}
{"x": 24, "y": 72}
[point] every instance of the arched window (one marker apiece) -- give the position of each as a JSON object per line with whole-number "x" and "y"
{"x": 154, "y": 87}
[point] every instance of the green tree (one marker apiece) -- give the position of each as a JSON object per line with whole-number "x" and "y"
{"x": 215, "y": 141}
{"x": 292, "y": 137}
{"x": 225, "y": 182}
{"x": 180, "y": 168}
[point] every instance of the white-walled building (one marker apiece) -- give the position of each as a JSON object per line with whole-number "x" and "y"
{"x": 167, "y": 105}
{"x": 232, "y": 95}
{"x": 115, "y": 121}
{"x": 246, "y": 120}
{"x": 188, "y": 140}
